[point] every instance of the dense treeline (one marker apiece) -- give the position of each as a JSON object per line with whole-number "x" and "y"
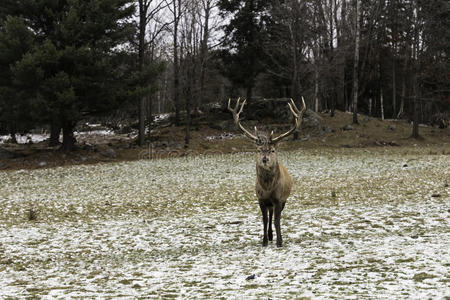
{"x": 393, "y": 54}
{"x": 62, "y": 61}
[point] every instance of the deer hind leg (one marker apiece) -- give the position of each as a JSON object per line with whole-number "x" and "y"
{"x": 270, "y": 233}
{"x": 278, "y": 208}
{"x": 265, "y": 221}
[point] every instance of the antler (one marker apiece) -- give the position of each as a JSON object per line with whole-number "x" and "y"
{"x": 236, "y": 118}
{"x": 298, "y": 120}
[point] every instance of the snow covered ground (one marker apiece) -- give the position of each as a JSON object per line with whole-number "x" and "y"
{"x": 358, "y": 225}
{"x": 39, "y": 137}
{"x": 26, "y": 138}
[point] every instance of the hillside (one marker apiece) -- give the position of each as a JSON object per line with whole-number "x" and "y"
{"x": 207, "y": 137}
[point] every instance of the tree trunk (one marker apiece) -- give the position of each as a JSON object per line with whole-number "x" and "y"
{"x": 347, "y": 100}
{"x": 68, "y": 138}
{"x": 342, "y": 50}
{"x": 295, "y": 90}
{"x": 405, "y": 69}
{"x": 187, "y": 137}
{"x": 356, "y": 63}
{"x": 142, "y": 28}
{"x": 370, "y": 107}
{"x": 332, "y": 28}
{"x": 203, "y": 55}
{"x": 392, "y": 10}
{"x": 13, "y": 138}
{"x": 337, "y": 97}
{"x": 415, "y": 132}
{"x": 316, "y": 84}
{"x": 394, "y": 88}
{"x": 333, "y": 106}
{"x": 141, "y": 138}
{"x": 374, "y": 106}
{"x": 318, "y": 17}
{"x": 249, "y": 93}
{"x": 149, "y": 115}
{"x": 176, "y": 67}
{"x": 163, "y": 94}
{"x": 382, "y": 104}
{"x": 295, "y": 84}
{"x": 12, "y": 132}
{"x": 55, "y": 129}
{"x": 415, "y": 74}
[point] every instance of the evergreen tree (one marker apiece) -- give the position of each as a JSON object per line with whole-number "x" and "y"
{"x": 243, "y": 41}
{"x": 15, "y": 40}
{"x": 435, "y": 59}
{"x": 70, "y": 71}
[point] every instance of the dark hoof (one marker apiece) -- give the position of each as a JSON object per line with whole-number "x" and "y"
{"x": 265, "y": 242}
{"x": 270, "y": 236}
{"x": 279, "y": 244}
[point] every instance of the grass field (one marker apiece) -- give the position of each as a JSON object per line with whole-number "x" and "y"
{"x": 360, "y": 223}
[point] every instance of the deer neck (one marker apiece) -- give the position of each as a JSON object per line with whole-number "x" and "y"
{"x": 268, "y": 177}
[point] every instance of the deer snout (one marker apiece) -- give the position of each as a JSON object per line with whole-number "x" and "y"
{"x": 265, "y": 160}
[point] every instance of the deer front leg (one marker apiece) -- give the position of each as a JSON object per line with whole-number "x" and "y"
{"x": 278, "y": 208}
{"x": 265, "y": 221}
{"x": 270, "y": 234}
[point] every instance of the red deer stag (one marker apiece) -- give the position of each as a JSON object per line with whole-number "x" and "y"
{"x": 273, "y": 183}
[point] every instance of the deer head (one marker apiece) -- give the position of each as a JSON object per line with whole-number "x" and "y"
{"x": 265, "y": 142}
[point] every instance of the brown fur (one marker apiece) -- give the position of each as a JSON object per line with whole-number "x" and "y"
{"x": 273, "y": 186}
{"x": 273, "y": 183}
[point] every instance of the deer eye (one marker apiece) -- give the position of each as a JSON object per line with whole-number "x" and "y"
{"x": 273, "y": 151}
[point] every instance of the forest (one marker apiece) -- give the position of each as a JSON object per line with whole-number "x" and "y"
{"x": 67, "y": 61}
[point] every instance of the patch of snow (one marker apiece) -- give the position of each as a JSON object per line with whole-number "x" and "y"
{"x": 223, "y": 136}
{"x": 161, "y": 117}
{"x": 37, "y": 138}
{"x": 26, "y": 138}
{"x": 94, "y": 132}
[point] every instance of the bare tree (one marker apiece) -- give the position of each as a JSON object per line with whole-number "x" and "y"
{"x": 175, "y": 9}
{"x": 143, "y": 10}
{"x": 148, "y": 10}
{"x": 190, "y": 36}
{"x": 206, "y": 7}
{"x": 356, "y": 62}
{"x": 415, "y": 82}
{"x": 405, "y": 69}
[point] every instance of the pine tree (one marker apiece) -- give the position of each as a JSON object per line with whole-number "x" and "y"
{"x": 70, "y": 70}
{"x": 243, "y": 41}
{"x": 15, "y": 40}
